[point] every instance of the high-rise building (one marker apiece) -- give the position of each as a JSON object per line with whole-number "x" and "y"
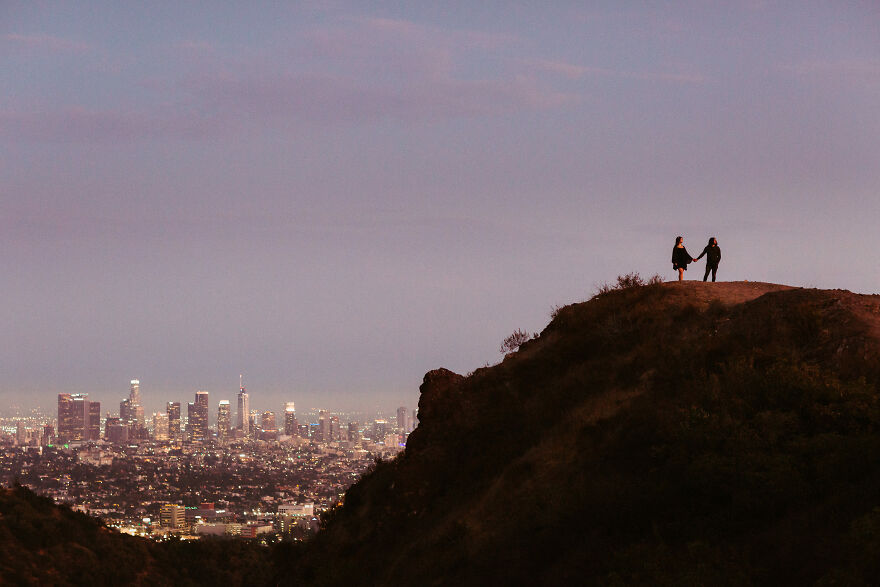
{"x": 268, "y": 430}
{"x": 21, "y": 434}
{"x": 244, "y": 409}
{"x": 160, "y": 426}
{"x": 290, "y": 423}
{"x": 48, "y": 436}
{"x": 136, "y": 414}
{"x": 73, "y": 416}
{"x": 198, "y": 417}
{"x": 116, "y": 432}
{"x": 94, "y": 429}
{"x": 254, "y": 424}
{"x": 380, "y": 429}
{"x": 125, "y": 411}
{"x": 323, "y": 431}
{"x": 334, "y": 428}
{"x": 108, "y": 422}
{"x": 403, "y": 419}
{"x": 134, "y": 394}
{"x": 224, "y": 420}
{"x": 172, "y": 409}
{"x": 354, "y": 434}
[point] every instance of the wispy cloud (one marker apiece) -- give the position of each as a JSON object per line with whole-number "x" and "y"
{"x": 364, "y": 70}
{"x": 40, "y": 42}
{"x": 868, "y": 69}
{"x": 567, "y": 70}
{"x": 678, "y": 74}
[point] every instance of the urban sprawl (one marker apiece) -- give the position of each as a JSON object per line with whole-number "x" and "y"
{"x": 169, "y": 476}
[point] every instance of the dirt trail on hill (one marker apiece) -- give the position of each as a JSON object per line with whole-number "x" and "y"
{"x": 864, "y": 308}
{"x": 728, "y": 292}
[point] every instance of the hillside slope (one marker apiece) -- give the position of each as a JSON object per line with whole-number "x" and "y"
{"x": 45, "y": 544}
{"x": 679, "y": 433}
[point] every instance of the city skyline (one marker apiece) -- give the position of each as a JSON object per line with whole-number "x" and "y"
{"x": 159, "y": 405}
{"x": 336, "y": 199}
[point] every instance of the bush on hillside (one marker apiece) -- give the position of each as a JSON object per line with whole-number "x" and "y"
{"x": 628, "y": 281}
{"x": 515, "y": 340}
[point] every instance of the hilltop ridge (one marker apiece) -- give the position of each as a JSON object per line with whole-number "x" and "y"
{"x": 683, "y": 432}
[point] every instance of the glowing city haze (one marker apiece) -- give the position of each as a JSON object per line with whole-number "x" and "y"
{"x": 335, "y": 199}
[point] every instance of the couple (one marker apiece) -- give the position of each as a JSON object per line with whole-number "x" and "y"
{"x": 681, "y": 258}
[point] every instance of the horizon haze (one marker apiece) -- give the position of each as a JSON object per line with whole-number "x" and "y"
{"x": 334, "y": 200}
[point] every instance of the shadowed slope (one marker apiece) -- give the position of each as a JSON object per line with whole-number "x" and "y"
{"x": 676, "y": 433}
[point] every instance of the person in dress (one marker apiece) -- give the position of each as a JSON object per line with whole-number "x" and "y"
{"x": 680, "y": 257}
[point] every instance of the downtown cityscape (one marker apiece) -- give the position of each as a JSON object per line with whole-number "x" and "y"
{"x": 242, "y": 473}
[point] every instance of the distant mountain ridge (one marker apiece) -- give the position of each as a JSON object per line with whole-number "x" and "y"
{"x": 669, "y": 434}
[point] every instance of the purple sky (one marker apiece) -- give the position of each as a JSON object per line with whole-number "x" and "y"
{"x": 334, "y": 200}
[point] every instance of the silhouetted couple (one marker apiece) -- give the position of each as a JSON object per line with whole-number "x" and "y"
{"x": 681, "y": 258}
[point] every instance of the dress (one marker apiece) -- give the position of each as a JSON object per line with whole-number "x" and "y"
{"x": 680, "y": 258}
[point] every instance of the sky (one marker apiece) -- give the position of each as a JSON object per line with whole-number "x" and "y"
{"x": 332, "y": 200}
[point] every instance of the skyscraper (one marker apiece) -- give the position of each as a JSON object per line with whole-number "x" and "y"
{"x": 173, "y": 411}
{"x": 73, "y": 416}
{"x": 81, "y": 409}
{"x": 94, "y": 428}
{"x": 224, "y": 420}
{"x": 403, "y": 419}
{"x": 290, "y": 423}
{"x": 134, "y": 394}
{"x": 198, "y": 417}
{"x": 244, "y": 408}
{"x": 135, "y": 406}
{"x": 323, "y": 432}
{"x": 125, "y": 411}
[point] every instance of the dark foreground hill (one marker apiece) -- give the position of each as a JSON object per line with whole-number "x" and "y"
{"x": 44, "y": 544}
{"x": 681, "y": 433}
{"x": 677, "y": 434}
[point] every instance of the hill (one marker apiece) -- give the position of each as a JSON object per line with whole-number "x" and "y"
{"x": 678, "y": 433}
{"x": 665, "y": 434}
{"x": 45, "y": 544}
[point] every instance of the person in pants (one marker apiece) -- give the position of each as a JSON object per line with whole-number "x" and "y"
{"x": 713, "y": 258}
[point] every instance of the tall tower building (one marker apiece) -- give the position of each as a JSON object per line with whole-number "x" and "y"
{"x": 125, "y": 411}
{"x": 134, "y": 394}
{"x": 198, "y": 417}
{"x": 173, "y": 411}
{"x": 73, "y": 416}
{"x": 323, "y": 432}
{"x": 94, "y": 428}
{"x": 290, "y": 423}
{"x": 334, "y": 428}
{"x": 224, "y": 420}
{"x": 244, "y": 408}
{"x": 380, "y": 429}
{"x": 135, "y": 406}
{"x": 403, "y": 419}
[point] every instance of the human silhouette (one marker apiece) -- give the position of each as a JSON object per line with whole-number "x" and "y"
{"x": 680, "y": 257}
{"x": 713, "y": 257}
